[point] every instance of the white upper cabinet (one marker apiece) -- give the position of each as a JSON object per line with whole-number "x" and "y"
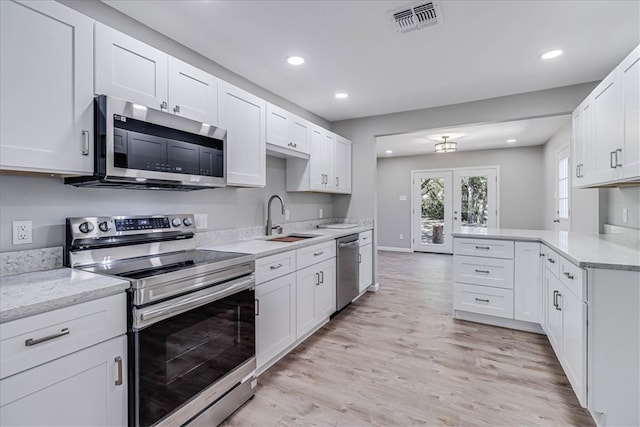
{"x": 287, "y": 134}
{"x": 606, "y": 128}
{"x": 243, "y": 116}
{"x": 342, "y": 165}
{"x": 192, "y": 92}
{"x": 46, "y": 75}
{"x": 131, "y": 70}
{"x": 318, "y": 163}
{"x": 630, "y": 150}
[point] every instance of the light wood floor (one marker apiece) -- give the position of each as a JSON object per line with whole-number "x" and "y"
{"x": 397, "y": 358}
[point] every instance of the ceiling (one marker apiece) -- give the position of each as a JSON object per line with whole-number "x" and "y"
{"x": 473, "y": 137}
{"x": 482, "y": 49}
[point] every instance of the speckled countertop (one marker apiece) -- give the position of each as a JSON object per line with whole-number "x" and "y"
{"x": 26, "y": 294}
{"x": 584, "y": 249}
{"x": 261, "y": 247}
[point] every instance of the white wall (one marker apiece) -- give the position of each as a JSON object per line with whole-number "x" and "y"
{"x": 47, "y": 202}
{"x": 521, "y": 188}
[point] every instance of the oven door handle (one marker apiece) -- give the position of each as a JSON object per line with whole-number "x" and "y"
{"x": 149, "y": 315}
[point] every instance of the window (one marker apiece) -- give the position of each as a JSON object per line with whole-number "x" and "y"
{"x": 563, "y": 188}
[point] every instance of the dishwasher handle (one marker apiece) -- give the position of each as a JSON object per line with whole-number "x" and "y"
{"x": 348, "y": 245}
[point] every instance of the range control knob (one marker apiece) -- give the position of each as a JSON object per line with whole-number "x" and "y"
{"x": 187, "y": 222}
{"x": 176, "y": 222}
{"x": 86, "y": 227}
{"x": 104, "y": 226}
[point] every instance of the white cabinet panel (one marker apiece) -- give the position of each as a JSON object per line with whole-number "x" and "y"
{"x": 299, "y": 133}
{"x": 277, "y": 126}
{"x": 315, "y": 295}
{"x": 483, "y": 271}
{"x": 527, "y": 282}
{"x": 46, "y": 75}
{"x": 243, "y": 116}
{"x": 342, "y": 165}
{"x": 554, "y": 313}
{"x": 273, "y": 266}
{"x": 317, "y": 162}
{"x": 192, "y": 92}
{"x": 483, "y": 247}
{"x": 275, "y": 318}
{"x": 574, "y": 316}
{"x": 129, "y": 69}
{"x": 88, "y": 387}
{"x": 607, "y": 116}
{"x": 316, "y": 253}
{"x": 365, "y": 267}
{"x": 287, "y": 131}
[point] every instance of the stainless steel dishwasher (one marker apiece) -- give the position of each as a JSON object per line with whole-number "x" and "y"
{"x": 348, "y": 266}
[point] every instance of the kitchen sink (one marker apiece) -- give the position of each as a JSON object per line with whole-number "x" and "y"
{"x": 293, "y": 237}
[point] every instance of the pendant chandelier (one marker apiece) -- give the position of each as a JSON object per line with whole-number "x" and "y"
{"x": 446, "y": 146}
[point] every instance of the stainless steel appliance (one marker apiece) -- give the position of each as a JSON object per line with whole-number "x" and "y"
{"x": 142, "y": 148}
{"x": 191, "y": 317}
{"x": 348, "y": 270}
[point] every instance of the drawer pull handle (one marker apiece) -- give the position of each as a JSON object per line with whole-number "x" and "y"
{"x": 482, "y": 300}
{"x": 568, "y": 275}
{"x": 482, "y": 271}
{"x": 483, "y": 247}
{"x": 551, "y": 260}
{"x": 118, "y": 361}
{"x": 31, "y": 341}
{"x": 275, "y": 267}
{"x": 318, "y": 253}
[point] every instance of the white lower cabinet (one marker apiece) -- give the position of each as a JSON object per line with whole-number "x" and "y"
{"x": 66, "y": 366}
{"x": 275, "y": 317}
{"x": 527, "y": 292}
{"x": 87, "y": 388}
{"x": 315, "y": 295}
{"x": 366, "y": 267}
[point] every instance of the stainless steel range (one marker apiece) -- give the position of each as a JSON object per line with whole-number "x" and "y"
{"x": 191, "y": 319}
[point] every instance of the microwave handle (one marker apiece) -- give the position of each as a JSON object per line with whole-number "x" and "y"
{"x": 150, "y": 315}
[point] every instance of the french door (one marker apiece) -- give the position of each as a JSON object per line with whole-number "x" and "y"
{"x": 451, "y": 200}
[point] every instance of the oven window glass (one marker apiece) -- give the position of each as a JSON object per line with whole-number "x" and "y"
{"x": 183, "y": 355}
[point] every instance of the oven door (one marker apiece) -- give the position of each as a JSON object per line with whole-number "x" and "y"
{"x": 181, "y": 347}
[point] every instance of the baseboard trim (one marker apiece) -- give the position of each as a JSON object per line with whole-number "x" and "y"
{"x": 374, "y": 287}
{"x": 498, "y": 321}
{"x": 393, "y": 249}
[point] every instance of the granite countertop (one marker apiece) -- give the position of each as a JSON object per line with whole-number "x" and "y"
{"x": 261, "y": 247}
{"x": 584, "y": 249}
{"x": 26, "y": 294}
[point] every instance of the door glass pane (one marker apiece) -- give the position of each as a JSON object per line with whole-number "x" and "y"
{"x": 432, "y": 211}
{"x": 474, "y": 201}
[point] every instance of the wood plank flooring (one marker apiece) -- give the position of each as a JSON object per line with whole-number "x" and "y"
{"x": 397, "y": 358}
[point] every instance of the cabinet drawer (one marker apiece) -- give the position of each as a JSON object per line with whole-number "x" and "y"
{"x": 483, "y": 271}
{"x": 571, "y": 277}
{"x": 364, "y": 238}
{"x": 552, "y": 262}
{"x": 483, "y": 247}
{"x": 24, "y": 341}
{"x": 314, "y": 254}
{"x": 273, "y": 266}
{"x": 483, "y": 300}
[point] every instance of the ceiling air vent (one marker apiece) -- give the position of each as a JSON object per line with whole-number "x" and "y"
{"x": 415, "y": 16}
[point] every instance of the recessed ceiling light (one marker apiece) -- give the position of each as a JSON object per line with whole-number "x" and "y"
{"x": 389, "y": 151}
{"x": 551, "y": 54}
{"x": 511, "y": 141}
{"x": 342, "y": 95}
{"x": 295, "y": 60}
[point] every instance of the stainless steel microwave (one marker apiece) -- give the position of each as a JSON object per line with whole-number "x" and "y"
{"x": 142, "y": 148}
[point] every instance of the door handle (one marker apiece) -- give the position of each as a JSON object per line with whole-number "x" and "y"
{"x": 359, "y": 258}
{"x": 118, "y": 361}
{"x": 619, "y": 160}
{"x": 164, "y": 106}
{"x": 176, "y": 109}
{"x": 613, "y": 161}
{"x": 555, "y": 299}
{"x": 317, "y": 279}
{"x": 257, "y": 307}
{"x": 321, "y": 276}
{"x": 556, "y": 220}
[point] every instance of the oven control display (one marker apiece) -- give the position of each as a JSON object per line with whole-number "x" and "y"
{"x": 141, "y": 224}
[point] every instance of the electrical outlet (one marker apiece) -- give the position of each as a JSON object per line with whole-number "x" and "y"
{"x": 201, "y": 221}
{"x": 625, "y": 215}
{"x": 401, "y": 236}
{"x": 286, "y": 214}
{"x": 320, "y": 213}
{"x": 22, "y": 232}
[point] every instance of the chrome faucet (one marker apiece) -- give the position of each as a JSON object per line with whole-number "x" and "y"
{"x": 270, "y": 226}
